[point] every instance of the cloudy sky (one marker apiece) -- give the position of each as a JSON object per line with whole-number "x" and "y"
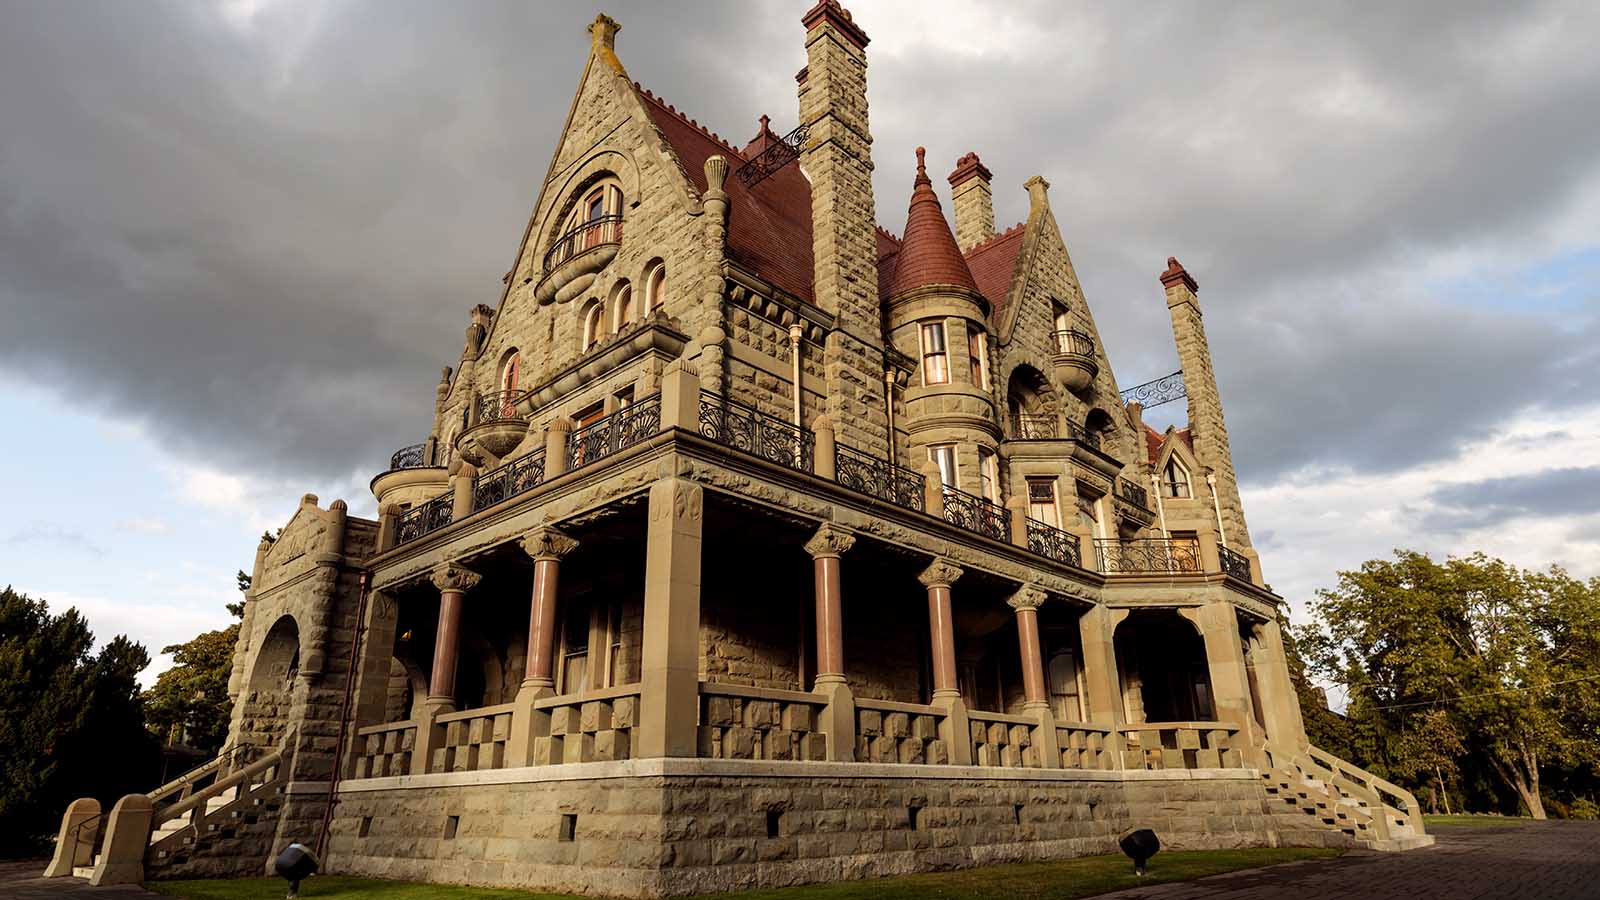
{"x": 238, "y": 240}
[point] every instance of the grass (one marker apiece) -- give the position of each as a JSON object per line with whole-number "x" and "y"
{"x": 1081, "y": 877}
{"x": 1476, "y": 820}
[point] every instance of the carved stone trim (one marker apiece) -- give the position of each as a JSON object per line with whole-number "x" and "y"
{"x": 547, "y": 543}
{"x": 451, "y": 577}
{"x": 1029, "y": 596}
{"x": 942, "y": 573}
{"x": 830, "y": 540}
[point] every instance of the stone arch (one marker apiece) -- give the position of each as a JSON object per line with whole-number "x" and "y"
{"x": 278, "y": 661}
{"x": 598, "y": 167}
{"x": 1161, "y": 659}
{"x": 273, "y": 679}
{"x": 1030, "y": 403}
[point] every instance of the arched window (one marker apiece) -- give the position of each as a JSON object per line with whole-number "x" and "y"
{"x": 622, "y": 310}
{"x": 655, "y": 287}
{"x": 593, "y": 324}
{"x": 1175, "y": 480}
{"x": 596, "y": 218}
{"x": 510, "y": 375}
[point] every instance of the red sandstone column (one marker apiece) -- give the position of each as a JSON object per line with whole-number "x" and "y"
{"x": 1027, "y": 602}
{"x": 453, "y": 582}
{"x": 941, "y": 626}
{"x": 547, "y": 546}
{"x": 825, "y": 547}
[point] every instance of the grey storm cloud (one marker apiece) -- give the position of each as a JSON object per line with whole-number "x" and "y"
{"x": 260, "y": 234}
{"x": 1495, "y": 501}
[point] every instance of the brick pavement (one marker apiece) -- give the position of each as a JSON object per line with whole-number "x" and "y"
{"x": 1546, "y": 860}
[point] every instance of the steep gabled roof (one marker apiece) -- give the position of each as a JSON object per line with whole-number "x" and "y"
{"x": 1154, "y": 441}
{"x": 993, "y": 264}
{"x": 929, "y": 254}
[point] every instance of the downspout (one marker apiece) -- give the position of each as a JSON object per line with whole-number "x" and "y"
{"x": 1161, "y": 508}
{"x": 795, "y": 331}
{"x": 888, "y": 405}
{"x": 1216, "y": 507}
{"x": 344, "y": 717}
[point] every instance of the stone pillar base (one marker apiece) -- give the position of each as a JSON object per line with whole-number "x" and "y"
{"x": 838, "y": 721}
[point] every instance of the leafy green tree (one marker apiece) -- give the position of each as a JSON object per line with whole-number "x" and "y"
{"x": 1508, "y": 660}
{"x": 189, "y": 702}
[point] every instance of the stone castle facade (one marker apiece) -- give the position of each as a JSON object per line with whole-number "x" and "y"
{"x": 753, "y": 544}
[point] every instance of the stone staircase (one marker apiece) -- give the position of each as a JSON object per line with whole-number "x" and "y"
{"x": 217, "y": 814}
{"x": 1335, "y": 797}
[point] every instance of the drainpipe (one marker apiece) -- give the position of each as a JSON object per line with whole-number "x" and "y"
{"x": 1161, "y": 508}
{"x": 888, "y": 405}
{"x": 344, "y": 718}
{"x": 795, "y": 331}
{"x": 1216, "y": 506}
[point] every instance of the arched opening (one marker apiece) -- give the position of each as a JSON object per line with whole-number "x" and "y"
{"x": 1161, "y": 660}
{"x": 622, "y": 307}
{"x": 593, "y": 324}
{"x": 655, "y": 286}
{"x": 510, "y": 377}
{"x": 272, "y": 682}
{"x": 1175, "y": 480}
{"x": 595, "y": 218}
{"x": 1097, "y": 424}
{"x": 1027, "y": 400}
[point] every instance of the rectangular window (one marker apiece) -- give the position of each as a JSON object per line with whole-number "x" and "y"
{"x": 622, "y": 399}
{"x": 613, "y": 643}
{"x": 1175, "y": 481}
{"x": 1089, "y": 509}
{"x": 945, "y": 456}
{"x": 1063, "y": 320}
{"x": 988, "y": 476}
{"x": 1042, "y": 501}
{"x": 935, "y": 355}
{"x": 978, "y": 351}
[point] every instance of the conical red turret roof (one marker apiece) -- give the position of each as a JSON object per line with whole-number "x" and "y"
{"x": 928, "y": 252}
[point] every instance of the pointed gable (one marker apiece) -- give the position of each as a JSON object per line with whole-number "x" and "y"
{"x": 928, "y": 251}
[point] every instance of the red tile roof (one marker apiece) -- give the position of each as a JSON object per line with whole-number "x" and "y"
{"x": 928, "y": 253}
{"x": 993, "y": 264}
{"x": 1155, "y": 440}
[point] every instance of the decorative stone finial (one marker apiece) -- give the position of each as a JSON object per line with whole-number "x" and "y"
{"x": 1176, "y": 275}
{"x": 603, "y": 32}
{"x": 716, "y": 167}
{"x": 922, "y": 162}
{"x": 1038, "y": 193}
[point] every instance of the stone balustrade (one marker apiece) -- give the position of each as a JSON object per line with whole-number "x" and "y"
{"x": 1086, "y": 746}
{"x": 474, "y": 739}
{"x": 741, "y": 722}
{"x": 888, "y": 731}
{"x": 591, "y": 726}
{"x": 1180, "y": 745}
{"x": 1003, "y": 740}
{"x": 385, "y": 750}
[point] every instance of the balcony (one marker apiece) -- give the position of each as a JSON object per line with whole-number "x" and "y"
{"x": 498, "y": 426}
{"x": 879, "y": 478}
{"x": 571, "y": 263}
{"x": 1133, "y": 504}
{"x": 1047, "y": 540}
{"x": 741, "y": 427}
{"x": 412, "y": 476}
{"x": 1147, "y": 555}
{"x": 1073, "y": 358}
{"x": 1026, "y": 427}
{"x": 976, "y": 514}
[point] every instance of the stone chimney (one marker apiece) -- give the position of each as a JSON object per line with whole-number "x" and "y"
{"x": 837, "y": 158}
{"x": 973, "y": 200}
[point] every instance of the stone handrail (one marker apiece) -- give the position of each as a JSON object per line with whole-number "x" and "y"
{"x": 198, "y": 799}
{"x": 474, "y": 739}
{"x": 1180, "y": 745}
{"x": 386, "y": 749}
{"x": 889, "y": 731}
{"x": 1086, "y": 746}
{"x": 467, "y": 715}
{"x": 1003, "y": 739}
{"x": 184, "y": 784}
{"x": 747, "y": 722}
{"x": 1359, "y": 781}
{"x": 588, "y": 726}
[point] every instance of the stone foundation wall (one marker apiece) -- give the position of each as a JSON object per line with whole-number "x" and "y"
{"x": 648, "y": 828}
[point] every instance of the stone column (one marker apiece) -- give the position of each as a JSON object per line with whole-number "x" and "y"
{"x": 548, "y": 547}
{"x": 1097, "y": 628}
{"x": 937, "y": 578}
{"x": 1026, "y": 601}
{"x": 1218, "y": 623}
{"x": 670, "y": 667}
{"x": 1280, "y": 705}
{"x": 556, "y": 437}
{"x": 839, "y": 719}
{"x": 824, "y": 452}
{"x": 453, "y": 582}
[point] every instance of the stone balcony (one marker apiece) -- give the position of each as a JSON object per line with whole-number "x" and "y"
{"x": 573, "y": 261}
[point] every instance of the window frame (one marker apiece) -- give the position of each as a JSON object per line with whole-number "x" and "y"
{"x": 937, "y": 454}
{"x": 978, "y": 355}
{"x": 1054, "y": 516}
{"x": 929, "y": 355}
{"x": 655, "y": 287}
{"x": 594, "y": 323}
{"x": 1170, "y": 486}
{"x": 989, "y": 475}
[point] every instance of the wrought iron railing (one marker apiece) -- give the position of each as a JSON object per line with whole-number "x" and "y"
{"x": 1117, "y": 556}
{"x": 589, "y": 234}
{"x": 1133, "y": 493}
{"x": 1154, "y": 393}
{"x": 1234, "y": 564}
{"x": 618, "y": 431}
{"x": 1073, "y": 341}
{"x": 412, "y": 457}
{"x": 1034, "y": 427}
{"x": 976, "y": 514}
{"x": 741, "y": 427}
{"x": 1083, "y": 435}
{"x": 424, "y": 518}
{"x": 1047, "y": 540}
{"x": 499, "y": 405}
{"x": 778, "y": 154}
{"x": 879, "y": 478}
{"x": 509, "y": 480}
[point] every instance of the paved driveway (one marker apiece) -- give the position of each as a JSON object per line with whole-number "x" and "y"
{"x": 19, "y": 880}
{"x": 1538, "y": 861}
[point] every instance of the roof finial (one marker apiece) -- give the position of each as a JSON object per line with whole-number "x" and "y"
{"x": 922, "y": 160}
{"x": 766, "y": 123}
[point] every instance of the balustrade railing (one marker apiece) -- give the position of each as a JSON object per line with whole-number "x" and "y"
{"x": 499, "y": 405}
{"x": 976, "y": 514}
{"x": 1116, "y": 556}
{"x": 742, "y": 427}
{"x": 474, "y": 739}
{"x": 385, "y": 750}
{"x": 412, "y": 457}
{"x": 590, "y": 726}
{"x": 888, "y": 731}
{"x": 1180, "y": 745}
{"x": 1234, "y": 564}
{"x": 1003, "y": 740}
{"x": 424, "y": 518}
{"x": 1133, "y": 493}
{"x": 1086, "y": 746}
{"x": 740, "y": 722}
{"x": 509, "y": 480}
{"x": 879, "y": 478}
{"x": 1083, "y": 435}
{"x": 618, "y": 431}
{"x": 1034, "y": 427}
{"x": 587, "y": 235}
{"x": 1047, "y": 540}
{"x": 1073, "y": 341}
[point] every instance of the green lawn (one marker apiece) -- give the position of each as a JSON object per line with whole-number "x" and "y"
{"x": 1484, "y": 820}
{"x": 1082, "y": 877}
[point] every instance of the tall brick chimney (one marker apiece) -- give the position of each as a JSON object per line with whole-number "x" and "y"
{"x": 837, "y": 158}
{"x": 973, "y": 200}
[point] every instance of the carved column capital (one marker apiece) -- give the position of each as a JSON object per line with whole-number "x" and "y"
{"x": 547, "y": 543}
{"x": 830, "y": 540}
{"x": 451, "y": 577}
{"x": 1029, "y": 596}
{"x": 942, "y": 573}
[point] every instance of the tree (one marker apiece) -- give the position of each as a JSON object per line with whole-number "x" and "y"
{"x": 1507, "y": 660}
{"x": 189, "y": 702}
{"x": 70, "y": 720}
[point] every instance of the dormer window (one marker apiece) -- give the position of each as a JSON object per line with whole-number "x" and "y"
{"x": 1175, "y": 480}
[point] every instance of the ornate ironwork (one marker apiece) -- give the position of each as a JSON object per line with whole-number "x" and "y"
{"x": 878, "y": 478}
{"x": 1133, "y": 493}
{"x": 1234, "y": 564}
{"x": 976, "y": 514}
{"x": 424, "y": 518}
{"x": 1117, "y": 556}
{"x": 741, "y": 427}
{"x": 499, "y": 405}
{"x": 412, "y": 457}
{"x": 588, "y": 234}
{"x": 509, "y": 480}
{"x": 1154, "y": 393}
{"x": 1047, "y": 540}
{"x": 1083, "y": 435}
{"x": 618, "y": 431}
{"x": 778, "y": 154}
{"x": 1073, "y": 341}
{"x": 1034, "y": 427}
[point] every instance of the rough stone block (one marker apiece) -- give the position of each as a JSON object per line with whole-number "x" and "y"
{"x": 739, "y": 743}
{"x": 897, "y": 725}
{"x": 813, "y": 746}
{"x": 912, "y": 751}
{"x": 1232, "y": 759}
{"x": 1188, "y": 739}
{"x": 719, "y": 711}
{"x": 624, "y": 712}
{"x": 937, "y": 753}
{"x": 611, "y": 744}
{"x": 1011, "y": 756}
{"x": 1021, "y": 735}
{"x": 564, "y": 720}
{"x": 999, "y": 733}
{"x": 924, "y": 728}
{"x": 760, "y": 713}
{"x": 799, "y": 717}
{"x": 1208, "y": 759}
{"x": 780, "y": 745}
{"x": 870, "y": 723}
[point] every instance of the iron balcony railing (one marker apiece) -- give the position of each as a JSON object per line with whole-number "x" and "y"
{"x": 976, "y": 514}
{"x": 879, "y": 478}
{"x": 1117, "y": 556}
{"x": 742, "y": 427}
{"x": 1133, "y": 493}
{"x": 588, "y": 235}
{"x": 1034, "y": 427}
{"x": 618, "y": 431}
{"x": 499, "y": 405}
{"x": 507, "y": 481}
{"x": 412, "y": 457}
{"x": 424, "y": 518}
{"x": 1073, "y": 341}
{"x": 1083, "y": 435}
{"x": 1047, "y": 540}
{"x": 1234, "y": 564}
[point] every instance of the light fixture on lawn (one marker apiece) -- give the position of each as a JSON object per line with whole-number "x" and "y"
{"x": 294, "y": 864}
{"x": 1140, "y": 844}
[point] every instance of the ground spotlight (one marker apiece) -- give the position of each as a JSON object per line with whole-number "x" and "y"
{"x": 295, "y": 863}
{"x": 1140, "y": 845}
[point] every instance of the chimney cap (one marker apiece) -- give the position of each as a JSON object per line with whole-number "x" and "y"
{"x": 969, "y": 167}
{"x": 1176, "y": 275}
{"x": 830, "y": 12}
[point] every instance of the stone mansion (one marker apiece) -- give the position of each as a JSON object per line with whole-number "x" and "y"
{"x": 753, "y": 544}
